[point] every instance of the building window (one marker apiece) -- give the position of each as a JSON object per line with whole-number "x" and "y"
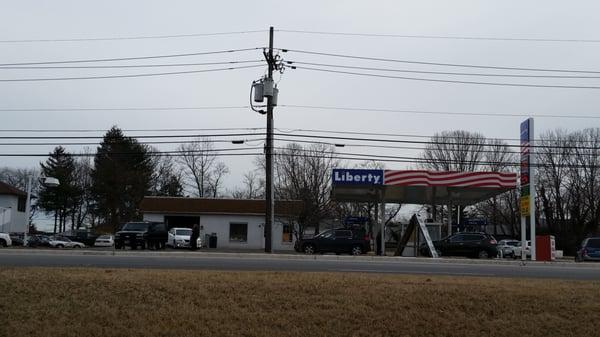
{"x": 21, "y": 204}
{"x": 286, "y": 233}
{"x": 238, "y": 232}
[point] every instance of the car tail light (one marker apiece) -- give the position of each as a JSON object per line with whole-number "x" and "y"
{"x": 584, "y": 252}
{"x": 493, "y": 242}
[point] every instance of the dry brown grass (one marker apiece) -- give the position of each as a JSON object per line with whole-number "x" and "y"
{"x": 97, "y": 302}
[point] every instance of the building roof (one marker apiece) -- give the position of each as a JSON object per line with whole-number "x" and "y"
{"x": 180, "y": 205}
{"x": 11, "y": 190}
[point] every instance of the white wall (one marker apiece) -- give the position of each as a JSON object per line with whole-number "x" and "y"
{"x": 220, "y": 225}
{"x": 17, "y": 221}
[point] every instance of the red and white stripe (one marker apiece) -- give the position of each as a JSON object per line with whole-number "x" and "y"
{"x": 451, "y": 179}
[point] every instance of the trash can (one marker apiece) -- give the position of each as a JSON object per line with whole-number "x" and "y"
{"x": 212, "y": 241}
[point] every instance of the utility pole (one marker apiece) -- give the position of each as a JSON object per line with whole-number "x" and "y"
{"x": 269, "y": 212}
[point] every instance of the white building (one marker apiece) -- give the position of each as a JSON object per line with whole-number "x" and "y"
{"x": 12, "y": 209}
{"x": 237, "y": 224}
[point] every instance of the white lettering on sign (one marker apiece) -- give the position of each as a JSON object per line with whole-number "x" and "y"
{"x": 357, "y": 178}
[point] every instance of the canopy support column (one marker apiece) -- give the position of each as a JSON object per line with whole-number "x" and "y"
{"x": 382, "y": 226}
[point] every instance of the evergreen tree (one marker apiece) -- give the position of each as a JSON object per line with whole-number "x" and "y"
{"x": 121, "y": 177}
{"x": 62, "y": 199}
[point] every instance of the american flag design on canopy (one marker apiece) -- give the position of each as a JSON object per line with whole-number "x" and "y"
{"x": 450, "y": 179}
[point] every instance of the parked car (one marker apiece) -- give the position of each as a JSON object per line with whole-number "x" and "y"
{"x": 17, "y": 239}
{"x": 38, "y": 241}
{"x": 180, "y": 238}
{"x": 152, "y": 235}
{"x": 589, "y": 250}
{"x": 84, "y": 236}
{"x": 5, "y": 240}
{"x": 517, "y": 250}
{"x": 471, "y": 244}
{"x": 64, "y": 242}
{"x": 506, "y": 247}
{"x": 104, "y": 241}
{"x": 338, "y": 241}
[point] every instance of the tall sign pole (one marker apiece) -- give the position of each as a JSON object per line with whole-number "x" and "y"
{"x": 269, "y": 212}
{"x": 527, "y": 201}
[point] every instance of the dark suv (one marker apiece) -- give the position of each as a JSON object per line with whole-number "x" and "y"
{"x": 341, "y": 240}
{"x": 151, "y": 235}
{"x": 472, "y": 244}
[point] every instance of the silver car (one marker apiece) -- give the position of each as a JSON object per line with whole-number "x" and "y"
{"x": 506, "y": 248}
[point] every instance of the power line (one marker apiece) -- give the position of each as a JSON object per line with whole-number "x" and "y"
{"x": 128, "y": 109}
{"x": 294, "y": 135}
{"x": 448, "y": 81}
{"x": 332, "y": 155}
{"x": 436, "y": 112}
{"x": 143, "y": 37}
{"x": 132, "y": 65}
{"x": 438, "y": 63}
{"x": 344, "y": 145}
{"x": 126, "y": 76}
{"x": 132, "y": 58}
{"x": 423, "y": 142}
{"x": 415, "y": 160}
{"x": 140, "y": 136}
{"x": 445, "y": 37}
{"x": 141, "y": 142}
{"x": 440, "y": 72}
{"x": 296, "y": 106}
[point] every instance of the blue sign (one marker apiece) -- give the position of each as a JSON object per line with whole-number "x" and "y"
{"x": 355, "y": 220}
{"x": 357, "y": 177}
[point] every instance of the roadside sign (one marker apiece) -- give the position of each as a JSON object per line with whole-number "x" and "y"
{"x": 527, "y": 204}
{"x": 525, "y": 209}
{"x": 357, "y": 177}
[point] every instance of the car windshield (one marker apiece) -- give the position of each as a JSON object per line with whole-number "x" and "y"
{"x": 135, "y": 226}
{"x": 513, "y": 243}
{"x": 187, "y": 232}
{"x": 593, "y": 243}
{"x": 104, "y": 237}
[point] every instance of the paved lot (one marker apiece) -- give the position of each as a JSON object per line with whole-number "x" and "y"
{"x": 283, "y": 262}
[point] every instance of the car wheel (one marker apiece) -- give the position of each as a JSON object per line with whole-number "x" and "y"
{"x": 3, "y": 243}
{"x": 356, "y": 250}
{"x": 76, "y": 247}
{"x": 483, "y": 254}
{"x": 60, "y": 246}
{"x": 309, "y": 249}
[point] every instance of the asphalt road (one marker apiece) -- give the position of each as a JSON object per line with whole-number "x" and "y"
{"x": 290, "y": 263}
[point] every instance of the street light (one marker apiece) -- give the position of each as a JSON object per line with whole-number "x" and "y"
{"x": 48, "y": 181}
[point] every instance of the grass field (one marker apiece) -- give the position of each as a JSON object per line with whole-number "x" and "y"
{"x": 98, "y": 302}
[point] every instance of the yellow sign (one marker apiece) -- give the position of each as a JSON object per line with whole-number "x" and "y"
{"x": 525, "y": 209}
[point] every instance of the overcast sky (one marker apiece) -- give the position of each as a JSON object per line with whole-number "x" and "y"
{"x": 23, "y": 20}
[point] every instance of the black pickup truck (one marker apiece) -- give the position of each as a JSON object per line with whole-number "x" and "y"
{"x": 338, "y": 241}
{"x": 151, "y": 235}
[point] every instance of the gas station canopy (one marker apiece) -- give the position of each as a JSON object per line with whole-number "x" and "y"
{"x": 419, "y": 186}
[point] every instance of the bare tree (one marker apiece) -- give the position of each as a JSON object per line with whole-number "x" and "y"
{"x": 82, "y": 208}
{"x": 456, "y": 150}
{"x": 215, "y": 182}
{"x": 167, "y": 177}
{"x": 18, "y": 177}
{"x": 201, "y": 168}
{"x": 304, "y": 173}
{"x": 252, "y": 187}
{"x": 501, "y": 210}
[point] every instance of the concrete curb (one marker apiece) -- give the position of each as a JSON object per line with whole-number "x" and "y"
{"x": 243, "y": 255}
